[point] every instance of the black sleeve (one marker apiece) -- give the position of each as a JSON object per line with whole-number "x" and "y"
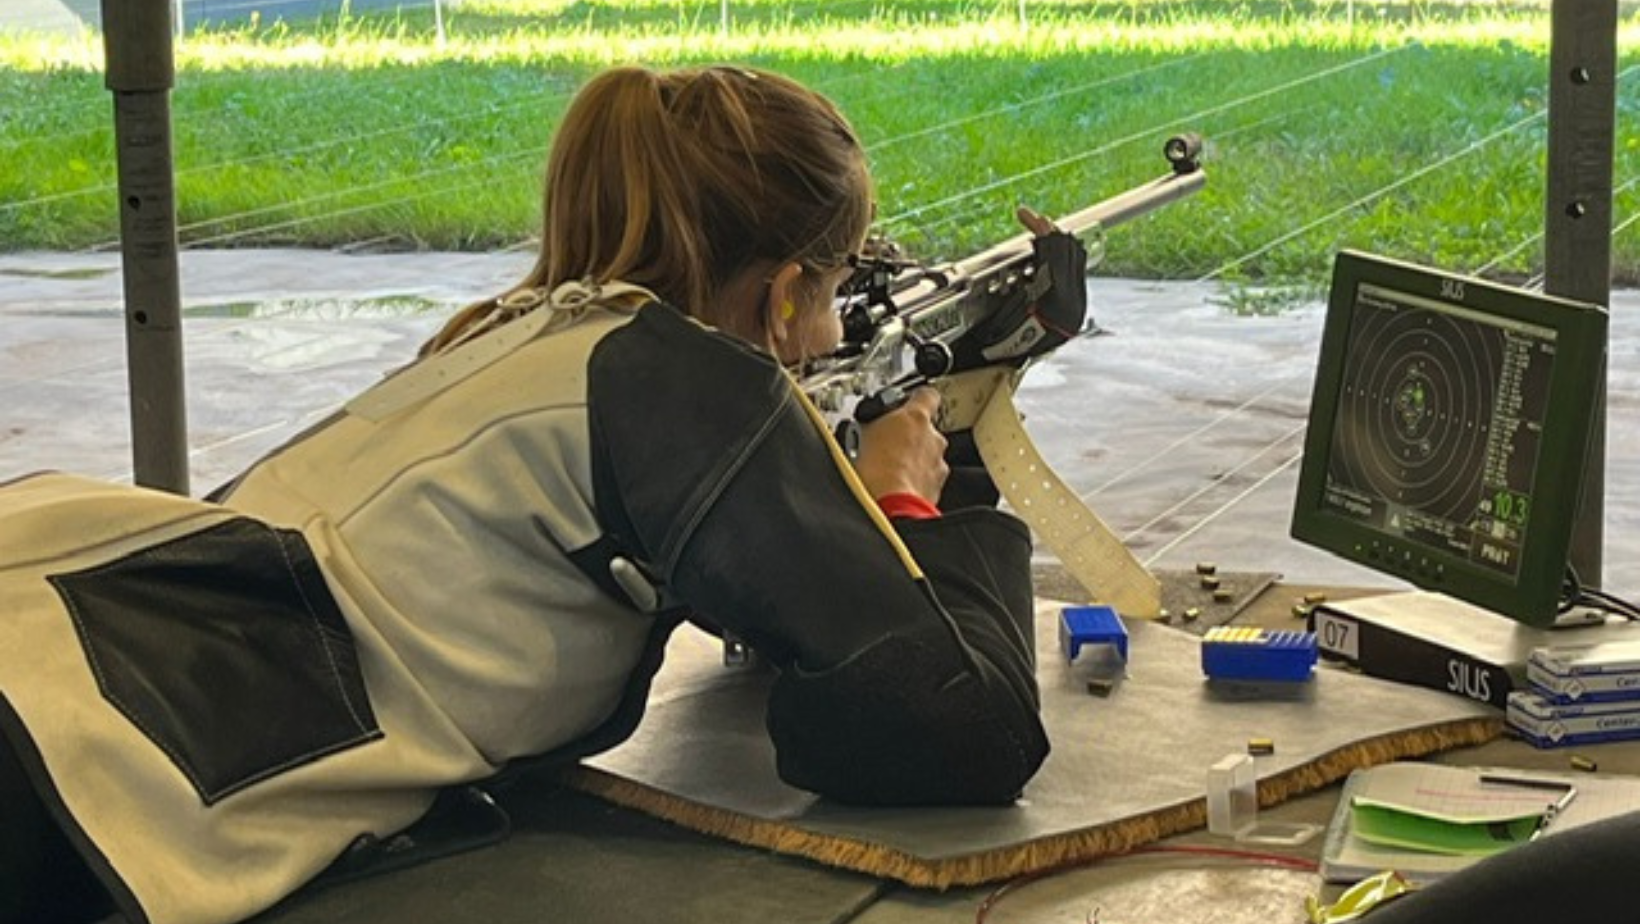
{"x": 1580, "y": 874}
{"x": 969, "y": 484}
{"x": 906, "y": 656}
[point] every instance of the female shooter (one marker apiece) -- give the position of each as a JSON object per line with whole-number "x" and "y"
{"x": 477, "y": 562}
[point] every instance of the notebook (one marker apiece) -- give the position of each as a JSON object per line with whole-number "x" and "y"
{"x": 1429, "y": 820}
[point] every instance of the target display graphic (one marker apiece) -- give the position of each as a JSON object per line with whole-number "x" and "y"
{"x": 1450, "y": 429}
{"x": 1417, "y": 411}
{"x": 1438, "y": 425}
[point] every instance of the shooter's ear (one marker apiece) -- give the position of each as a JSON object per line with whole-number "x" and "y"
{"x": 781, "y": 308}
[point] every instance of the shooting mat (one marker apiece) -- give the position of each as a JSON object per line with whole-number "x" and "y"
{"x": 1126, "y": 769}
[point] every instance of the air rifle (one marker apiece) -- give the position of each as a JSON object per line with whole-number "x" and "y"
{"x": 951, "y": 325}
{"x": 907, "y": 323}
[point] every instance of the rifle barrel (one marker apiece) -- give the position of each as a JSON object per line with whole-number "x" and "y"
{"x": 1122, "y": 207}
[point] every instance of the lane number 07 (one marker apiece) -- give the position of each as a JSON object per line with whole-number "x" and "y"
{"x": 1337, "y": 636}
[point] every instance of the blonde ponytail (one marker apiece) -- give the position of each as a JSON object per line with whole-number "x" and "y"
{"x": 677, "y": 181}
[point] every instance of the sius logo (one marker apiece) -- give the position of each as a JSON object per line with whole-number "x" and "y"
{"x": 1452, "y": 289}
{"x": 1469, "y": 680}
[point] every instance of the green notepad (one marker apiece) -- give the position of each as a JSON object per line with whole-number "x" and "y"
{"x": 1448, "y": 810}
{"x": 1393, "y": 828}
{"x": 1442, "y": 798}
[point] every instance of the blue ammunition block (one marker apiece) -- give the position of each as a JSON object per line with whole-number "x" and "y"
{"x": 1091, "y": 625}
{"x": 1246, "y": 653}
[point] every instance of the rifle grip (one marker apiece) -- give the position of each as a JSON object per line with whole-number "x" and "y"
{"x": 866, "y": 410}
{"x": 847, "y": 433}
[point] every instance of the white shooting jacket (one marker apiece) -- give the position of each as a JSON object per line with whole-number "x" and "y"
{"x": 439, "y": 508}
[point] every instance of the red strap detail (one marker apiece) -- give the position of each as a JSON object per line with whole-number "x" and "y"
{"x": 906, "y": 504}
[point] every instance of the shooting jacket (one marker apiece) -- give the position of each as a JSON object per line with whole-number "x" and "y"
{"x": 215, "y": 698}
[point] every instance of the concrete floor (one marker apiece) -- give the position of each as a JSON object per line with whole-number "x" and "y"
{"x": 1182, "y": 429}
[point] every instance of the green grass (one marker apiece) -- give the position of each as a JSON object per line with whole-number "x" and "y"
{"x": 1412, "y": 130}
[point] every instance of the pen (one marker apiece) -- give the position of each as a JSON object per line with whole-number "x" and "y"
{"x": 1567, "y": 791}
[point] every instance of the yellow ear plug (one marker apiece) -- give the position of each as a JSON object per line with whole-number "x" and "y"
{"x": 787, "y": 310}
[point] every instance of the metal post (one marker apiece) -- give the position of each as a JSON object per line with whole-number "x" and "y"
{"x": 140, "y": 72}
{"x": 1577, "y": 240}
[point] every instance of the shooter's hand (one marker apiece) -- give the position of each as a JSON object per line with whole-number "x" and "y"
{"x": 1063, "y": 309}
{"x": 901, "y": 452}
{"x": 1034, "y": 318}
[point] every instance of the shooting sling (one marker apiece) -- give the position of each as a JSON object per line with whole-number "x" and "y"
{"x": 983, "y": 401}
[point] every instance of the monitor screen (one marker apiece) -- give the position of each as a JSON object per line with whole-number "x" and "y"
{"x": 1448, "y": 431}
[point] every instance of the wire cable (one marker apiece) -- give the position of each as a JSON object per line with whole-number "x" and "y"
{"x": 288, "y": 153}
{"x": 1204, "y": 521}
{"x": 1020, "y": 106}
{"x": 1379, "y": 193}
{"x": 235, "y": 217}
{"x": 1214, "y": 483}
{"x": 1537, "y": 238}
{"x": 343, "y": 212}
{"x": 1573, "y": 595}
{"x": 1170, "y": 448}
{"x": 285, "y": 207}
{"x": 338, "y": 194}
{"x": 1105, "y": 148}
{"x": 423, "y": 126}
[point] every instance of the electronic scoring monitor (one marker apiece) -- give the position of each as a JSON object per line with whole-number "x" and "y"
{"x": 1448, "y": 432}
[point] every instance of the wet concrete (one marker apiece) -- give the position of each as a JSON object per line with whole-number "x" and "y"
{"x": 1182, "y": 428}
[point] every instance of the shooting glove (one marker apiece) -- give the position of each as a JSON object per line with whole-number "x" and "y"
{"x": 1034, "y": 318}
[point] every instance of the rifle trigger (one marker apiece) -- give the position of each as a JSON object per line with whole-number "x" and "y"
{"x": 874, "y": 406}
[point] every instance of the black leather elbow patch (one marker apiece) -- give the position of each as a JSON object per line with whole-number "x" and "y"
{"x": 226, "y": 649}
{"x": 901, "y": 725}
